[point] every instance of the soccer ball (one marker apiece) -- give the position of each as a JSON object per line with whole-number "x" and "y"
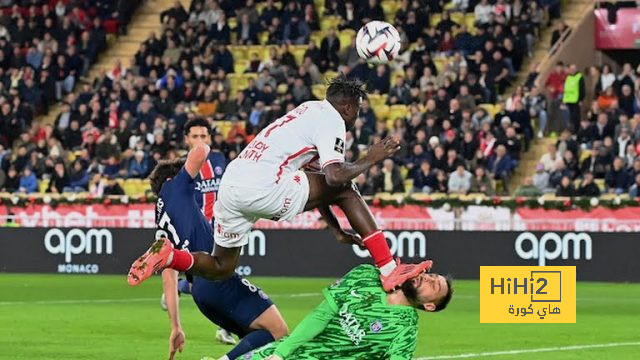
{"x": 378, "y": 42}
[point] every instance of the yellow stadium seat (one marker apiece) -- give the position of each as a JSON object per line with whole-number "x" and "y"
{"x": 329, "y": 22}
{"x": 130, "y": 187}
{"x": 376, "y": 100}
{"x": 345, "y": 38}
{"x": 381, "y": 110}
{"x": 584, "y": 155}
{"x": 470, "y": 20}
{"x": 319, "y": 90}
{"x": 600, "y": 183}
{"x": 239, "y": 52}
{"x": 240, "y": 66}
{"x": 439, "y": 62}
{"x": 398, "y": 111}
{"x": 408, "y": 185}
{"x": 263, "y": 37}
{"x": 317, "y": 37}
{"x": 330, "y": 74}
{"x": 457, "y": 17}
{"x": 233, "y": 23}
{"x": 43, "y": 185}
{"x": 298, "y": 52}
{"x": 282, "y": 89}
{"x": 435, "y": 19}
{"x": 389, "y": 8}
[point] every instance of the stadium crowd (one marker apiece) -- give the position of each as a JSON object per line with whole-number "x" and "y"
{"x": 598, "y": 149}
{"x": 458, "y": 133}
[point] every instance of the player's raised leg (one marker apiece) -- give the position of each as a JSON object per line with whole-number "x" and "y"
{"x": 322, "y": 195}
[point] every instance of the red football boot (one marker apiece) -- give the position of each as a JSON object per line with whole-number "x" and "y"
{"x": 154, "y": 260}
{"x": 402, "y": 273}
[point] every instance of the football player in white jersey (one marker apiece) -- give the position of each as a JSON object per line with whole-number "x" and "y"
{"x": 265, "y": 181}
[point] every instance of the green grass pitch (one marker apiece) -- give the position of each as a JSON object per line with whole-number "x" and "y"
{"x": 101, "y": 317}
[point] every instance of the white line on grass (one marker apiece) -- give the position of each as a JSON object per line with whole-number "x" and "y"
{"x": 529, "y": 351}
{"x": 123, "y": 300}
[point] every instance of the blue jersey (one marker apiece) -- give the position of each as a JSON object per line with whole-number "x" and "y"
{"x": 178, "y": 215}
{"x": 208, "y": 181}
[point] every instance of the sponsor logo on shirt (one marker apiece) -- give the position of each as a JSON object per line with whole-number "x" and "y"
{"x": 350, "y": 325}
{"x": 339, "y": 146}
{"x": 208, "y": 185}
{"x": 376, "y": 327}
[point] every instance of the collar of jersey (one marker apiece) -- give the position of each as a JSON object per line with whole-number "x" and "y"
{"x": 327, "y": 104}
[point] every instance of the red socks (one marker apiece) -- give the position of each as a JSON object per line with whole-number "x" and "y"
{"x": 182, "y": 260}
{"x": 378, "y": 248}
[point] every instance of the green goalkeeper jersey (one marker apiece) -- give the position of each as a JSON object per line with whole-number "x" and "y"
{"x": 353, "y": 323}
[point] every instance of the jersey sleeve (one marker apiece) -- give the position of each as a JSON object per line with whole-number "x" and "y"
{"x": 309, "y": 328}
{"x": 329, "y": 139}
{"x": 362, "y": 276}
{"x": 182, "y": 182}
{"x": 404, "y": 344}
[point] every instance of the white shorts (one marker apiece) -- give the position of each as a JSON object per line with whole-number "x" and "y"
{"x": 238, "y": 208}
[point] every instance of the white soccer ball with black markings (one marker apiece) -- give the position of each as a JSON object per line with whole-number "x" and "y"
{"x": 378, "y": 42}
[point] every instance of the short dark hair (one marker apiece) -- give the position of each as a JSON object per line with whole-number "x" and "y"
{"x": 442, "y": 304}
{"x": 196, "y": 122}
{"x": 341, "y": 89}
{"x": 164, "y": 170}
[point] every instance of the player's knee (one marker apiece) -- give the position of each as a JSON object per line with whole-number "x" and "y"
{"x": 280, "y": 330}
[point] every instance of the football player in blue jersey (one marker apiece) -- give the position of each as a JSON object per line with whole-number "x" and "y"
{"x": 205, "y": 191}
{"x": 234, "y": 303}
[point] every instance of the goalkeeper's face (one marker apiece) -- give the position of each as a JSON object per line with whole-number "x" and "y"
{"x": 427, "y": 291}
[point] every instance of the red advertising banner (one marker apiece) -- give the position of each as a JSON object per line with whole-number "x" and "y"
{"x": 407, "y": 217}
{"x": 142, "y": 216}
{"x": 624, "y": 34}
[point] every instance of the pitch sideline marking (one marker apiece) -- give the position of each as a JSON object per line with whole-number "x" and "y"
{"x": 527, "y": 351}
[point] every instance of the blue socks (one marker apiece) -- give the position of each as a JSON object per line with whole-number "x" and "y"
{"x": 252, "y": 341}
{"x": 183, "y": 287}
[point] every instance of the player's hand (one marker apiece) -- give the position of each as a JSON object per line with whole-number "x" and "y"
{"x": 176, "y": 342}
{"x": 349, "y": 238}
{"x": 273, "y": 357}
{"x": 383, "y": 149}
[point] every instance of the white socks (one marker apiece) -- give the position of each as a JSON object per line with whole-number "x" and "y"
{"x": 387, "y": 269}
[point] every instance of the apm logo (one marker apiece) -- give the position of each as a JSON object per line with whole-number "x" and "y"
{"x": 405, "y": 243}
{"x": 76, "y": 241}
{"x": 540, "y": 251}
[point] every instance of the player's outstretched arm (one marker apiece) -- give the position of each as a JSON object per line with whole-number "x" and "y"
{"x": 196, "y": 157}
{"x": 337, "y": 174}
{"x": 311, "y": 326}
{"x": 170, "y": 288}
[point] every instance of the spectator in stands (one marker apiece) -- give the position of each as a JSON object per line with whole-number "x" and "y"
{"x": 424, "y": 180}
{"x": 389, "y": 179}
{"x": 566, "y": 188}
{"x": 459, "y": 180}
{"x": 607, "y": 99}
{"x": 588, "y": 187}
{"x": 549, "y": 159}
{"x": 535, "y": 104}
{"x": 555, "y": 81}
{"x": 528, "y": 188}
{"x": 139, "y": 167}
{"x": 634, "y": 190}
{"x": 28, "y": 182}
{"x": 329, "y": 48}
{"x": 481, "y": 183}
{"x": 501, "y": 166}
{"x": 574, "y": 93}
{"x": 400, "y": 93}
{"x": 617, "y": 178}
{"x": 541, "y": 179}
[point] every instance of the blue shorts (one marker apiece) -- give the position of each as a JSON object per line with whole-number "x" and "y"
{"x": 232, "y": 304}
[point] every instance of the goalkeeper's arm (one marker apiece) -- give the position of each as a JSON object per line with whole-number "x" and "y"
{"x": 312, "y": 325}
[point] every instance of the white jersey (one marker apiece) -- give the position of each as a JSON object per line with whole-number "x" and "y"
{"x": 312, "y": 133}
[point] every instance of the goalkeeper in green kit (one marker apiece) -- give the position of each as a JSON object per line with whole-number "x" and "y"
{"x": 358, "y": 320}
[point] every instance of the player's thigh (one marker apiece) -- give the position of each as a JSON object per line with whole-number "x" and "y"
{"x": 320, "y": 193}
{"x": 232, "y": 225}
{"x": 284, "y": 200}
{"x": 272, "y": 321}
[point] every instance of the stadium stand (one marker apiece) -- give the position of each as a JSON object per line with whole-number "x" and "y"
{"x": 242, "y": 64}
